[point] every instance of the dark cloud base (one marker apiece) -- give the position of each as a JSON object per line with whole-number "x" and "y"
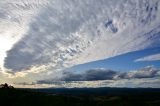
{"x": 104, "y": 74}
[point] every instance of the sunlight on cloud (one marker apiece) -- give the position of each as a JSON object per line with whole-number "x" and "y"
{"x": 15, "y": 16}
{"x": 65, "y": 41}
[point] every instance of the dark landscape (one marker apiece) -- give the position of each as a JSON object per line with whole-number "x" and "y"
{"x": 80, "y": 97}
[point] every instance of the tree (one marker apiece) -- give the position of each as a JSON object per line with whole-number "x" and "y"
{"x": 6, "y": 86}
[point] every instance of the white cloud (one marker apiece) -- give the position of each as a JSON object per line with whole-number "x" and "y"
{"x": 15, "y": 17}
{"x": 155, "y": 57}
{"x": 63, "y": 33}
{"x": 81, "y": 36}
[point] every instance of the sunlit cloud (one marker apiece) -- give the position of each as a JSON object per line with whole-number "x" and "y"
{"x": 41, "y": 39}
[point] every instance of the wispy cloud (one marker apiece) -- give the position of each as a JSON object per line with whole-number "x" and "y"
{"x": 155, "y": 57}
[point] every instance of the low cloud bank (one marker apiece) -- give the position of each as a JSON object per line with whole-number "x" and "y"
{"x": 104, "y": 74}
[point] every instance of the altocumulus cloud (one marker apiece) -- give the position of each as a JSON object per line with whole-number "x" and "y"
{"x": 65, "y": 32}
{"x": 61, "y": 33}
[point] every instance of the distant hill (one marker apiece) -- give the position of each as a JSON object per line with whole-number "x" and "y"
{"x": 97, "y": 91}
{"x": 80, "y": 97}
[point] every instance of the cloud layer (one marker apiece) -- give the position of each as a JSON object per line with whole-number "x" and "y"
{"x": 146, "y": 77}
{"x": 65, "y": 33}
{"x": 155, "y": 57}
{"x": 104, "y": 74}
{"x": 44, "y": 37}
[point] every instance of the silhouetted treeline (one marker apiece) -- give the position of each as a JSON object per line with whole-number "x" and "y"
{"x": 6, "y": 86}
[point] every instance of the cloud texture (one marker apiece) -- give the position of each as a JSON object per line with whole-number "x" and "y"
{"x": 65, "y": 33}
{"x": 44, "y": 37}
{"x": 155, "y": 57}
{"x": 104, "y": 74}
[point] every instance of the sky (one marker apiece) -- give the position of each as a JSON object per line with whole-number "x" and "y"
{"x": 75, "y": 43}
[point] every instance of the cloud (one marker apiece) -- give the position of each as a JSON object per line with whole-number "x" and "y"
{"x": 90, "y": 75}
{"x": 50, "y": 39}
{"x": 25, "y": 83}
{"x": 15, "y": 16}
{"x": 133, "y": 83}
{"x": 104, "y": 74}
{"x": 148, "y": 72}
{"x": 109, "y": 24}
{"x": 155, "y": 57}
{"x": 65, "y": 33}
{"x": 146, "y": 77}
{"x": 51, "y": 35}
{"x": 53, "y": 82}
